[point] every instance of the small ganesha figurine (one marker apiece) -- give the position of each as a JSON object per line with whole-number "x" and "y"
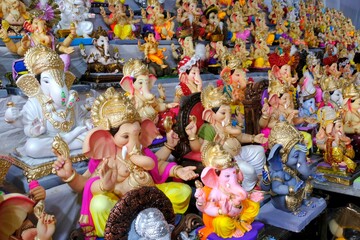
{"x": 289, "y": 173}
{"x": 51, "y": 108}
{"x": 76, "y": 12}
{"x": 98, "y": 58}
{"x": 189, "y": 76}
{"x": 122, "y": 25}
{"x": 228, "y": 210}
{"x": 338, "y": 151}
{"x": 138, "y": 81}
{"x": 154, "y": 19}
{"x": 14, "y": 14}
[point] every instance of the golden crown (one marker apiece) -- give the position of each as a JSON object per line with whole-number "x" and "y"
{"x": 112, "y": 109}
{"x": 285, "y": 134}
{"x": 328, "y": 84}
{"x": 311, "y": 60}
{"x": 213, "y": 155}
{"x": 276, "y": 87}
{"x": 351, "y": 92}
{"x": 153, "y": 2}
{"x": 231, "y": 61}
{"x": 135, "y": 67}
{"x": 214, "y": 97}
{"x": 41, "y": 58}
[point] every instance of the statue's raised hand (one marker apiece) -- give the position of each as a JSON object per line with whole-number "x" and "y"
{"x": 191, "y": 128}
{"x": 45, "y": 227}
{"x": 172, "y": 138}
{"x": 37, "y": 127}
{"x": 11, "y": 114}
{"x": 25, "y": 42}
{"x": 63, "y": 167}
{"x": 3, "y": 33}
{"x": 108, "y": 175}
{"x": 102, "y": 11}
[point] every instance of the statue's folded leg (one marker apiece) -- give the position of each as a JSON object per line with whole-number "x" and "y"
{"x": 100, "y": 207}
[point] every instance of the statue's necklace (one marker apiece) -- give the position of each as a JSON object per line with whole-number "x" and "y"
{"x": 63, "y": 126}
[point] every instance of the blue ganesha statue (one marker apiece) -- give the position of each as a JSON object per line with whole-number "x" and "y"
{"x": 288, "y": 175}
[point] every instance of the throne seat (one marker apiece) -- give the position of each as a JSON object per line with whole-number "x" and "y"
{"x": 338, "y": 175}
{"x": 33, "y": 169}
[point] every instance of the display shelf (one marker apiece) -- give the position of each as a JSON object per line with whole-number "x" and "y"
{"x": 336, "y": 188}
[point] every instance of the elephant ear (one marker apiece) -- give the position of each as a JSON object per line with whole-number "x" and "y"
{"x": 99, "y": 144}
{"x": 69, "y": 79}
{"x": 29, "y": 85}
{"x": 209, "y": 177}
{"x": 225, "y": 74}
{"x": 149, "y": 132}
{"x": 14, "y": 208}
{"x": 275, "y": 157}
{"x": 152, "y": 79}
{"x": 208, "y": 115}
{"x": 127, "y": 84}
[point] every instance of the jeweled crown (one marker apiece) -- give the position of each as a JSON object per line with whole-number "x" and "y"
{"x": 285, "y": 134}
{"x": 213, "y": 155}
{"x": 135, "y": 67}
{"x": 276, "y": 87}
{"x": 311, "y": 60}
{"x": 351, "y": 92}
{"x": 112, "y": 109}
{"x": 214, "y": 97}
{"x": 41, "y": 58}
{"x": 328, "y": 84}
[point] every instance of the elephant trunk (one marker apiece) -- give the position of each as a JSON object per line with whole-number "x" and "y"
{"x": 106, "y": 49}
{"x": 237, "y": 190}
{"x": 60, "y": 96}
{"x": 145, "y": 92}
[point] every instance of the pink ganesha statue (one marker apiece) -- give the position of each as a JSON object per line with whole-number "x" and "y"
{"x": 228, "y": 210}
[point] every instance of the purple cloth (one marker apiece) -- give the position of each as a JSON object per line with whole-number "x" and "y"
{"x": 157, "y": 177}
{"x": 251, "y": 235}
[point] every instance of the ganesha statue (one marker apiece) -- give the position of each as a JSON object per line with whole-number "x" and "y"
{"x": 190, "y": 20}
{"x": 154, "y": 55}
{"x": 138, "y": 82}
{"x": 351, "y": 105}
{"x": 14, "y": 14}
{"x": 120, "y": 162}
{"x": 228, "y": 209}
{"x": 154, "y": 19}
{"x": 331, "y": 138}
{"x": 76, "y": 13}
{"x": 235, "y": 80}
{"x": 289, "y": 174}
{"x": 222, "y": 129}
{"x": 186, "y": 48}
{"x": 42, "y": 18}
{"x": 51, "y": 108}
{"x": 189, "y": 76}
{"x": 98, "y": 59}
{"x": 122, "y": 25}
{"x": 237, "y": 26}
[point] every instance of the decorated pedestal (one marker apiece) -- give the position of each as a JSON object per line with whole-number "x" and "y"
{"x": 251, "y": 235}
{"x": 288, "y": 220}
{"x": 26, "y": 169}
{"x": 338, "y": 174}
